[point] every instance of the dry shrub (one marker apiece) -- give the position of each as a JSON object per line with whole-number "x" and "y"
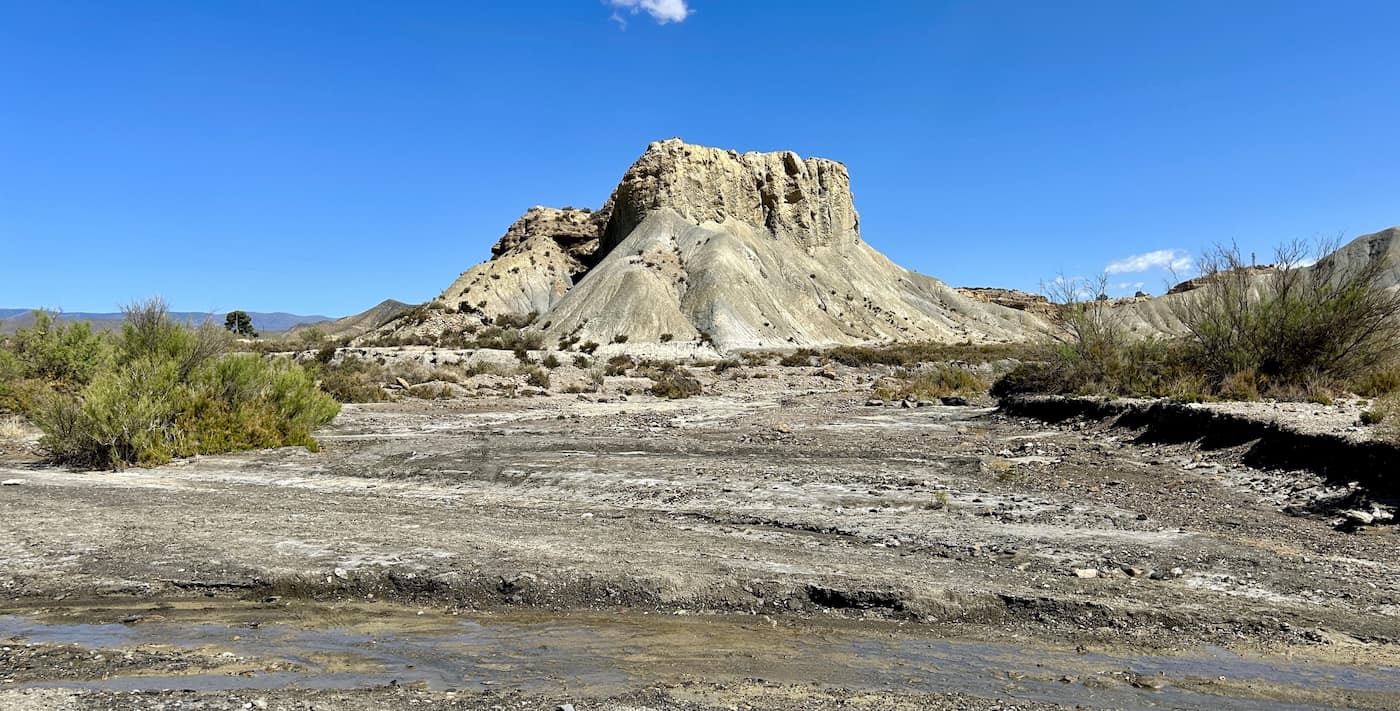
{"x": 12, "y": 427}
{"x": 536, "y": 376}
{"x": 1299, "y": 329}
{"x": 1286, "y": 332}
{"x": 676, "y": 384}
{"x": 354, "y": 380}
{"x": 1385, "y": 415}
{"x": 941, "y": 380}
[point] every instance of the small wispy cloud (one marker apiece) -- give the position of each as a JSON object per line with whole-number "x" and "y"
{"x": 1175, "y": 260}
{"x": 663, "y": 11}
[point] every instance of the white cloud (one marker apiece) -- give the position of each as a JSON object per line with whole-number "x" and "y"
{"x": 663, "y": 11}
{"x": 1172, "y": 259}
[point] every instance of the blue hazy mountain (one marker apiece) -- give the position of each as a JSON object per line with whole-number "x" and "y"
{"x": 11, "y": 319}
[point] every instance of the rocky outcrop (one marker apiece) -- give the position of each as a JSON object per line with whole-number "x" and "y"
{"x": 1250, "y": 272}
{"x": 532, "y": 266}
{"x": 806, "y": 201}
{"x": 708, "y": 246}
{"x": 1037, "y": 304}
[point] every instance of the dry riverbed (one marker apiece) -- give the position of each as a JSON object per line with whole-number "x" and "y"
{"x": 782, "y": 546}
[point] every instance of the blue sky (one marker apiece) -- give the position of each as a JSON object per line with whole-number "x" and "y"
{"x": 318, "y": 157}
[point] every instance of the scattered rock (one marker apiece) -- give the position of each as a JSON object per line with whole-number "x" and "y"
{"x": 11, "y": 482}
{"x": 874, "y": 403}
{"x": 953, "y": 401}
{"x": 1086, "y": 573}
{"x": 341, "y": 573}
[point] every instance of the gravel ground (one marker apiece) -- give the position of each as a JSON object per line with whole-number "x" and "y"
{"x": 783, "y": 496}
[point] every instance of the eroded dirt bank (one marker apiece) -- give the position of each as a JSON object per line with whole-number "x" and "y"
{"x": 800, "y": 508}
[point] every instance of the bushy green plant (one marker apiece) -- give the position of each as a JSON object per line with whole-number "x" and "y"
{"x": 941, "y": 380}
{"x": 354, "y": 380}
{"x": 619, "y": 365}
{"x": 11, "y": 372}
{"x": 173, "y": 391}
{"x": 66, "y": 355}
{"x": 911, "y": 354}
{"x": 799, "y": 358}
{"x": 536, "y": 376}
{"x": 1296, "y": 328}
{"x": 1385, "y": 414}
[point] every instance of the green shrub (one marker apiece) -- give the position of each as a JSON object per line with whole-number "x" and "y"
{"x": 911, "y": 354}
{"x": 589, "y": 347}
{"x": 11, "y": 373}
{"x": 1380, "y": 381}
{"x": 551, "y": 361}
{"x": 66, "y": 355}
{"x": 354, "y": 380}
{"x": 620, "y": 338}
{"x": 538, "y": 377}
{"x": 941, "y": 380}
{"x": 1309, "y": 329}
{"x": 1385, "y": 414}
{"x": 802, "y": 357}
{"x": 667, "y": 337}
{"x": 756, "y": 358}
{"x": 619, "y": 365}
{"x": 171, "y": 391}
{"x": 515, "y": 321}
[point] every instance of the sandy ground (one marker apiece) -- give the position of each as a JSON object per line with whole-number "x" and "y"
{"x": 794, "y": 504}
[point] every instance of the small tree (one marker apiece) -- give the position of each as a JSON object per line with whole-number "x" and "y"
{"x": 240, "y": 324}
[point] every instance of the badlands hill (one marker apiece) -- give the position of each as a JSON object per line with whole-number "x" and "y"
{"x": 350, "y": 326}
{"x": 704, "y": 245}
{"x": 1161, "y": 315}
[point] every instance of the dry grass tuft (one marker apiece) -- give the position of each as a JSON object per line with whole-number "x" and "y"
{"x": 13, "y": 427}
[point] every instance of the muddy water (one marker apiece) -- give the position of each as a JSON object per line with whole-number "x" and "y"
{"x": 366, "y": 646}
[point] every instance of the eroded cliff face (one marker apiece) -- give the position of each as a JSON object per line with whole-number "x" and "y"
{"x": 705, "y": 245}
{"x": 532, "y": 266}
{"x": 807, "y": 201}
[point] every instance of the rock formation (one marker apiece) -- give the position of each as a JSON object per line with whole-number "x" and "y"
{"x": 532, "y": 266}
{"x": 1037, "y": 304}
{"x": 704, "y": 245}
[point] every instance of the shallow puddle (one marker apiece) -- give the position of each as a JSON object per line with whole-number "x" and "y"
{"x": 365, "y": 646}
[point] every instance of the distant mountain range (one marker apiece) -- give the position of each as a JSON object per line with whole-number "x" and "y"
{"x": 11, "y": 319}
